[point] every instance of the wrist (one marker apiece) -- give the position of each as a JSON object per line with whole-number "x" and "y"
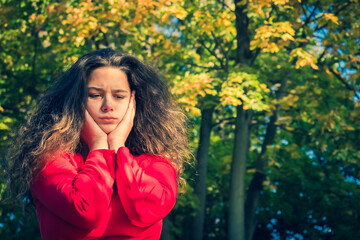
{"x": 99, "y": 145}
{"x": 116, "y": 146}
{"x": 115, "y": 142}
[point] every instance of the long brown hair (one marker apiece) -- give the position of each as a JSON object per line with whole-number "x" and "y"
{"x": 55, "y": 124}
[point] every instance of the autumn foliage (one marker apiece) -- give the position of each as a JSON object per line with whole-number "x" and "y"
{"x": 271, "y": 89}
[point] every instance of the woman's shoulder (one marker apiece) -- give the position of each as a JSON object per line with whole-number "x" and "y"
{"x": 63, "y": 159}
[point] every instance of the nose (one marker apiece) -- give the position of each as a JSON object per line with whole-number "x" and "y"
{"x": 108, "y": 105}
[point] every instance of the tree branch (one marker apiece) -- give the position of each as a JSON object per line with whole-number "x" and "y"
{"x": 204, "y": 67}
{"x": 308, "y": 18}
{"x": 343, "y": 81}
{"x": 303, "y": 9}
{"x": 322, "y": 54}
{"x": 224, "y": 120}
{"x": 212, "y": 52}
{"x": 224, "y": 4}
{"x": 335, "y": 13}
{"x": 218, "y": 43}
{"x": 255, "y": 123}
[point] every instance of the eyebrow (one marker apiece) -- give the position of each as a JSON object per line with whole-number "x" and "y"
{"x": 100, "y": 89}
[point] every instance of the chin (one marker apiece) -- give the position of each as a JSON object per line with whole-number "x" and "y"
{"x": 107, "y": 128}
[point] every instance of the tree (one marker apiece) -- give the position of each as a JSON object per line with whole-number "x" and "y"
{"x": 316, "y": 16}
{"x": 268, "y": 38}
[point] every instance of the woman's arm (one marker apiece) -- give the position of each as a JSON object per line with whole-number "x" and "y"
{"x": 80, "y": 197}
{"x": 148, "y": 189}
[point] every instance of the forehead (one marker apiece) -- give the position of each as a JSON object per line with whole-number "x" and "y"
{"x": 105, "y": 77}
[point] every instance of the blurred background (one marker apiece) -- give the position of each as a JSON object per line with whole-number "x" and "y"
{"x": 271, "y": 89}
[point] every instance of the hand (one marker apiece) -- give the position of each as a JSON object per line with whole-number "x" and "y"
{"x": 119, "y": 135}
{"x": 92, "y": 134}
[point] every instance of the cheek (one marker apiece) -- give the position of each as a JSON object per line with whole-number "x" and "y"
{"x": 122, "y": 113}
{"x": 122, "y": 108}
{"x": 91, "y": 109}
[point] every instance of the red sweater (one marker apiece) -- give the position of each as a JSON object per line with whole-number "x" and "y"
{"x": 106, "y": 196}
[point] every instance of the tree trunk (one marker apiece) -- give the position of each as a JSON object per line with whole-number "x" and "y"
{"x": 197, "y": 225}
{"x": 236, "y": 221}
{"x": 256, "y": 184}
{"x": 243, "y": 52}
{"x": 165, "y": 233}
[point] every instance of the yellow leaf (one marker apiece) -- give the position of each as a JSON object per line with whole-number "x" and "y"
{"x": 263, "y": 86}
{"x": 78, "y": 39}
{"x": 272, "y": 47}
{"x": 303, "y": 58}
{"x": 314, "y": 66}
{"x": 286, "y": 37}
{"x": 266, "y": 183}
{"x": 180, "y": 13}
{"x": 289, "y": 128}
{"x": 104, "y": 29}
{"x": 42, "y": 34}
{"x": 331, "y": 17}
{"x": 62, "y": 40}
{"x": 3, "y": 126}
{"x": 242, "y": 3}
{"x": 198, "y": 14}
{"x": 280, "y": 2}
{"x": 46, "y": 43}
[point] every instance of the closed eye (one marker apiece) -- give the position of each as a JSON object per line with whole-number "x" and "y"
{"x": 94, "y": 95}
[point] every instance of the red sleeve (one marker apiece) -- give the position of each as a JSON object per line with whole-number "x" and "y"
{"x": 79, "y": 196}
{"x": 147, "y": 189}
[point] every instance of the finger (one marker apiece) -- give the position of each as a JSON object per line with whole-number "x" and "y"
{"x": 132, "y": 99}
{"x": 88, "y": 117}
{"x": 133, "y": 109}
{"x": 128, "y": 114}
{"x": 90, "y": 123}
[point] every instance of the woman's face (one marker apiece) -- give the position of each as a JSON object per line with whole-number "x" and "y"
{"x": 108, "y": 97}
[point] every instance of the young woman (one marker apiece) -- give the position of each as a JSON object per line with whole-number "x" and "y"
{"x": 103, "y": 151}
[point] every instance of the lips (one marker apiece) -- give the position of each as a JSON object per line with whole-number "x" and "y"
{"x": 108, "y": 119}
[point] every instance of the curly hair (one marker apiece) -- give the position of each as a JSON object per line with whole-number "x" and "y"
{"x": 56, "y": 122}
